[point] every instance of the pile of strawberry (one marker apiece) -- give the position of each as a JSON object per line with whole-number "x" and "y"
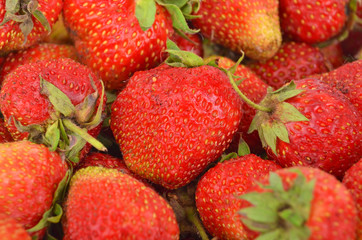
{"x": 187, "y": 119}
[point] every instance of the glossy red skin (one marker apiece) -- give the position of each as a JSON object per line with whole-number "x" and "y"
{"x": 353, "y": 182}
{"x": 171, "y": 123}
{"x": 330, "y": 140}
{"x": 29, "y": 177}
{"x": 11, "y": 37}
{"x": 218, "y": 189}
{"x": 255, "y": 89}
{"x": 292, "y": 61}
{"x": 248, "y": 26}
{"x": 186, "y": 45}
{"x": 5, "y": 136}
{"x": 11, "y": 229}
{"x": 108, "y": 204}
{"x": 43, "y": 51}
{"x": 312, "y": 21}
{"x": 112, "y": 43}
{"x": 332, "y": 214}
{"x": 20, "y": 94}
{"x": 348, "y": 80}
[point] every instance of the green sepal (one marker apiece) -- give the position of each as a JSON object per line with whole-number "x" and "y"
{"x": 85, "y": 109}
{"x": 243, "y": 148}
{"x": 52, "y": 136}
{"x": 59, "y": 100}
{"x": 228, "y": 157}
{"x": 50, "y": 237}
{"x": 63, "y": 134}
{"x": 145, "y": 13}
{"x": 261, "y": 214}
{"x": 272, "y": 235}
{"x": 290, "y": 113}
{"x": 179, "y": 58}
{"x": 42, "y": 19}
{"x": 76, "y": 145}
{"x": 178, "y": 19}
{"x": 54, "y": 214}
{"x": 34, "y": 130}
{"x": 97, "y": 119}
{"x": 260, "y": 199}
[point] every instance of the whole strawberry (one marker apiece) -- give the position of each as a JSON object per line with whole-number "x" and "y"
{"x": 312, "y": 21}
{"x": 353, "y": 182}
{"x": 29, "y": 178}
{"x": 105, "y": 203}
{"x": 109, "y": 39}
{"x": 255, "y": 89}
{"x": 35, "y": 53}
{"x": 57, "y": 102}
{"x": 171, "y": 122}
{"x": 310, "y": 124}
{"x": 300, "y": 203}
{"x": 348, "y": 80}
{"x": 292, "y": 61}
{"x": 26, "y": 22}
{"x": 248, "y": 26}
{"x": 218, "y": 190}
{"x": 10, "y": 229}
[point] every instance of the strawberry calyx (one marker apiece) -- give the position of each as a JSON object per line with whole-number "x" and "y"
{"x": 271, "y": 124}
{"x": 67, "y": 129}
{"x": 22, "y": 11}
{"x": 55, "y": 212}
{"x": 243, "y": 150}
{"x": 279, "y": 213}
{"x": 179, "y": 11}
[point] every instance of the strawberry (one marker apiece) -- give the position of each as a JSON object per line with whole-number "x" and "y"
{"x": 310, "y": 124}
{"x": 333, "y": 54}
{"x": 107, "y": 161}
{"x": 29, "y": 178}
{"x": 311, "y": 21}
{"x": 193, "y": 44}
{"x": 218, "y": 190}
{"x": 171, "y": 122}
{"x": 58, "y": 102}
{"x": 348, "y": 80}
{"x": 299, "y": 203}
{"x": 93, "y": 26}
{"x": 255, "y": 89}
{"x": 11, "y": 229}
{"x": 353, "y": 182}
{"x": 105, "y": 203}
{"x": 248, "y": 26}
{"x": 35, "y": 53}
{"x": 292, "y": 61}
{"x": 5, "y": 136}
{"x": 26, "y": 22}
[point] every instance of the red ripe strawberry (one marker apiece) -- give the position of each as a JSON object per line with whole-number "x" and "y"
{"x": 184, "y": 44}
{"x": 109, "y": 39}
{"x": 292, "y": 61}
{"x": 255, "y": 89}
{"x": 51, "y": 101}
{"x": 312, "y": 21}
{"x": 353, "y": 181}
{"x": 11, "y": 229}
{"x": 171, "y": 122}
{"x": 300, "y": 203}
{"x": 218, "y": 190}
{"x": 249, "y": 26}
{"x": 35, "y": 53}
{"x": 5, "y": 136}
{"x": 347, "y": 79}
{"x": 29, "y": 177}
{"x": 22, "y": 27}
{"x": 328, "y": 136}
{"x": 105, "y": 203}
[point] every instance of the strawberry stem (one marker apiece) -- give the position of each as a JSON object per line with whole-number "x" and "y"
{"x": 245, "y": 98}
{"x": 192, "y": 217}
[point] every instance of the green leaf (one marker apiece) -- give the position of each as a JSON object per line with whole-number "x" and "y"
{"x": 97, "y": 119}
{"x": 26, "y": 27}
{"x": 281, "y": 131}
{"x": 228, "y": 157}
{"x": 272, "y": 235}
{"x": 275, "y": 182}
{"x": 292, "y": 217}
{"x": 77, "y": 144}
{"x": 60, "y": 101}
{"x": 52, "y": 136}
{"x": 42, "y": 19}
{"x": 58, "y": 213}
{"x": 171, "y": 45}
{"x": 270, "y": 137}
{"x": 178, "y": 20}
{"x": 178, "y": 3}
{"x": 63, "y": 133}
{"x": 243, "y": 148}
{"x": 290, "y": 113}
{"x": 260, "y": 214}
{"x": 187, "y": 58}
{"x": 261, "y": 199}
{"x": 145, "y": 13}
{"x": 12, "y": 6}
{"x": 50, "y": 237}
